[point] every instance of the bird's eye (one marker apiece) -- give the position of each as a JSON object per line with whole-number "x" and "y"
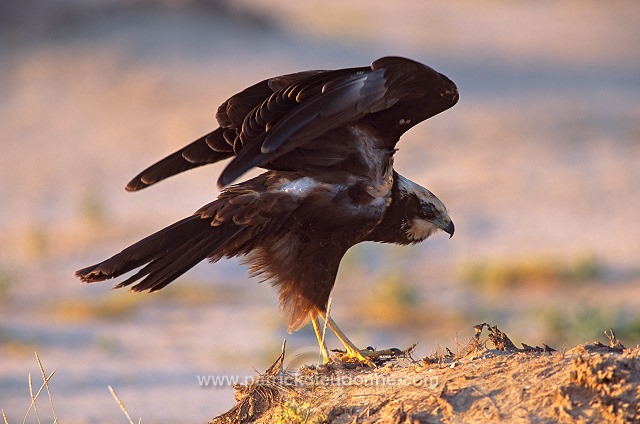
{"x": 428, "y": 210}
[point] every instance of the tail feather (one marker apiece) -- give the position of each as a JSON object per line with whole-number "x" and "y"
{"x": 167, "y": 254}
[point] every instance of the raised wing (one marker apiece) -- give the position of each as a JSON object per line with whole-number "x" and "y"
{"x": 385, "y": 99}
{"x": 308, "y": 120}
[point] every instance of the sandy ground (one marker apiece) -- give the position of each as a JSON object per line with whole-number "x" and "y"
{"x": 488, "y": 380}
{"x": 539, "y": 159}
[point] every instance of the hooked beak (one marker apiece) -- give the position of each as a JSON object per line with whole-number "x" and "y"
{"x": 448, "y": 227}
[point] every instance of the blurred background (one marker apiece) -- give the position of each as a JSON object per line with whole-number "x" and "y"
{"x": 539, "y": 165}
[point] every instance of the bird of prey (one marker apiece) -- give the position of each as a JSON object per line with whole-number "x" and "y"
{"x": 326, "y": 139}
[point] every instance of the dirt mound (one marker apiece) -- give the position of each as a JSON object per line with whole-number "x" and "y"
{"x": 590, "y": 383}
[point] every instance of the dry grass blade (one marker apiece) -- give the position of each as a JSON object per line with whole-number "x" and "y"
{"x": 121, "y": 405}
{"x": 4, "y": 417}
{"x": 33, "y": 399}
{"x": 46, "y": 384}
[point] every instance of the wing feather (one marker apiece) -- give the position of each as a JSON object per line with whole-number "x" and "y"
{"x": 196, "y": 154}
{"x": 276, "y": 123}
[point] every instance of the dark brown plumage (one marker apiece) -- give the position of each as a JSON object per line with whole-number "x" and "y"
{"x": 326, "y": 139}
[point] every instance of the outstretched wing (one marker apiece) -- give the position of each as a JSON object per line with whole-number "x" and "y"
{"x": 311, "y": 119}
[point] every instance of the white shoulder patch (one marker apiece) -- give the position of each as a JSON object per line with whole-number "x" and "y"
{"x": 300, "y": 187}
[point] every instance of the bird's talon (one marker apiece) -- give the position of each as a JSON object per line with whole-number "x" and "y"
{"x": 356, "y": 356}
{"x": 368, "y": 356}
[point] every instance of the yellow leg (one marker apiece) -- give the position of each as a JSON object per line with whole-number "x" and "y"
{"x": 320, "y": 336}
{"x": 352, "y": 351}
{"x": 353, "y": 354}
